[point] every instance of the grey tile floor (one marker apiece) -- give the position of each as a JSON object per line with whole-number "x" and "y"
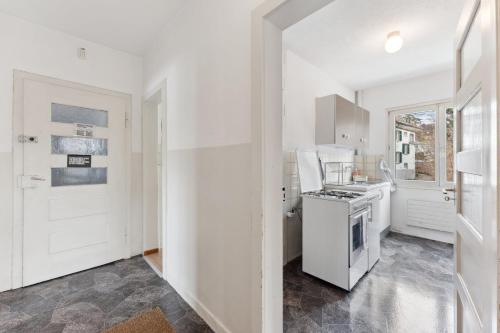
{"x": 410, "y": 290}
{"x": 94, "y": 300}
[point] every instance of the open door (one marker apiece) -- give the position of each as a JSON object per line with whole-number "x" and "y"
{"x": 476, "y": 169}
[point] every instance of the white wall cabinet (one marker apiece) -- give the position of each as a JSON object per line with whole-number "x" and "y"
{"x": 341, "y": 122}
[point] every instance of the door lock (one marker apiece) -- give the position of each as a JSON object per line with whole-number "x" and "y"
{"x": 27, "y": 139}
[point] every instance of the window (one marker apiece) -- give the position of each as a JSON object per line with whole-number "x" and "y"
{"x": 406, "y": 149}
{"x": 399, "y": 136}
{"x": 399, "y": 157}
{"x": 422, "y": 147}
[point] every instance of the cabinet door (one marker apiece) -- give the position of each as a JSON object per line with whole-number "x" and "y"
{"x": 325, "y": 120}
{"x": 358, "y": 123}
{"x": 362, "y": 123}
{"x": 344, "y": 122}
{"x": 385, "y": 208}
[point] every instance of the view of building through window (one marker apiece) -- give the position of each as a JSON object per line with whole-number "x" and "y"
{"x": 415, "y": 145}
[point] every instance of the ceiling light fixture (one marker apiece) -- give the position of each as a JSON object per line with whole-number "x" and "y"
{"x": 394, "y": 42}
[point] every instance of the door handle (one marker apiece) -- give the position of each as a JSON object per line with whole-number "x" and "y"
{"x": 446, "y": 193}
{"x": 30, "y": 181}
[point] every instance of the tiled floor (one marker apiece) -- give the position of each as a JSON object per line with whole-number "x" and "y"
{"x": 409, "y": 290}
{"x": 93, "y": 300}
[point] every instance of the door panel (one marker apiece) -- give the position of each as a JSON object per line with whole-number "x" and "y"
{"x": 74, "y": 216}
{"x": 476, "y": 168}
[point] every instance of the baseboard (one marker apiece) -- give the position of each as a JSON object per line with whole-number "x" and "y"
{"x": 148, "y": 252}
{"x": 295, "y": 256}
{"x": 215, "y": 324}
{"x": 443, "y": 237}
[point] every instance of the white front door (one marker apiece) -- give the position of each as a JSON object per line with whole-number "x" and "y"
{"x": 476, "y": 164}
{"x": 74, "y": 179}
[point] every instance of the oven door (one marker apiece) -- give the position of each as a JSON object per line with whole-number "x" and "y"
{"x": 357, "y": 235}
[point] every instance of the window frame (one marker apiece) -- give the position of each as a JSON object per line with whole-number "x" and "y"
{"x": 439, "y": 107}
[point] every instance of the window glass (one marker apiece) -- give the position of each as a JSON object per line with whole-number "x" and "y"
{"x": 450, "y": 144}
{"x": 415, "y": 149}
{"x": 80, "y": 146}
{"x": 69, "y": 114}
{"x": 78, "y": 176}
{"x": 471, "y": 49}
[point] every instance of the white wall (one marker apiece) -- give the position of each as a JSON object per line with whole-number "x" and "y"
{"x": 402, "y": 93}
{"x": 204, "y": 53}
{"x": 305, "y": 82}
{"x": 377, "y": 100}
{"x": 39, "y": 50}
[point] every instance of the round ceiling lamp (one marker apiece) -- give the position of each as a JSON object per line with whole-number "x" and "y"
{"x": 394, "y": 42}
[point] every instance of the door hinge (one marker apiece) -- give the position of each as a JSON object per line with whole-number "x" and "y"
{"x": 126, "y": 120}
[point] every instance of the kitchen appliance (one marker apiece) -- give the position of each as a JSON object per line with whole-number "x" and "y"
{"x": 334, "y": 228}
{"x": 334, "y": 236}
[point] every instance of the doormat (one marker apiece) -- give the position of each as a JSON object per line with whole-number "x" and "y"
{"x": 152, "y": 321}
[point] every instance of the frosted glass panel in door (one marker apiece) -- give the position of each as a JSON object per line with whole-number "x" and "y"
{"x": 70, "y": 114}
{"x": 471, "y": 49}
{"x": 472, "y": 124}
{"x": 79, "y": 146}
{"x": 471, "y": 199}
{"x": 78, "y": 176}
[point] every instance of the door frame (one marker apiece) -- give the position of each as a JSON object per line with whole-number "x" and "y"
{"x": 18, "y": 162}
{"x": 268, "y": 22}
{"x": 161, "y": 90}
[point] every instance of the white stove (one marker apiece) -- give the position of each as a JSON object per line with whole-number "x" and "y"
{"x": 334, "y": 229}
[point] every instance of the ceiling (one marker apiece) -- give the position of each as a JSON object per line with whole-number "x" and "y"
{"x": 346, "y": 39}
{"x": 126, "y": 25}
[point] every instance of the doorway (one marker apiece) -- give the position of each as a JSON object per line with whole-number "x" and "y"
{"x": 71, "y": 154}
{"x": 270, "y": 20}
{"x": 154, "y": 179}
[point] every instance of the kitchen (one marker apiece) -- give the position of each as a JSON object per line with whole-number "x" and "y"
{"x": 367, "y": 153}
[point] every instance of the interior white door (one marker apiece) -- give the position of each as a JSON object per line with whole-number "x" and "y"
{"x": 476, "y": 164}
{"x": 74, "y": 180}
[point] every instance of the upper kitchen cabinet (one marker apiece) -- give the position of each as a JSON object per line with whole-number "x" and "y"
{"x": 362, "y": 128}
{"x": 341, "y": 122}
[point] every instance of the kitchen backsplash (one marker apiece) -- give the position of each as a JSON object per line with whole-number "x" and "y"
{"x": 367, "y": 165}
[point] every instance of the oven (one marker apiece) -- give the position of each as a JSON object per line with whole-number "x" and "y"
{"x": 358, "y": 242}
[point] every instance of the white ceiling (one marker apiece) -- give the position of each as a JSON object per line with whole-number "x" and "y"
{"x": 346, "y": 39}
{"x": 127, "y": 25}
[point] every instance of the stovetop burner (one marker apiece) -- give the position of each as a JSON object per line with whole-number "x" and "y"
{"x": 342, "y": 195}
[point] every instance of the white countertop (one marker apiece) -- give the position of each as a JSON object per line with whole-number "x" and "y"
{"x": 361, "y": 187}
